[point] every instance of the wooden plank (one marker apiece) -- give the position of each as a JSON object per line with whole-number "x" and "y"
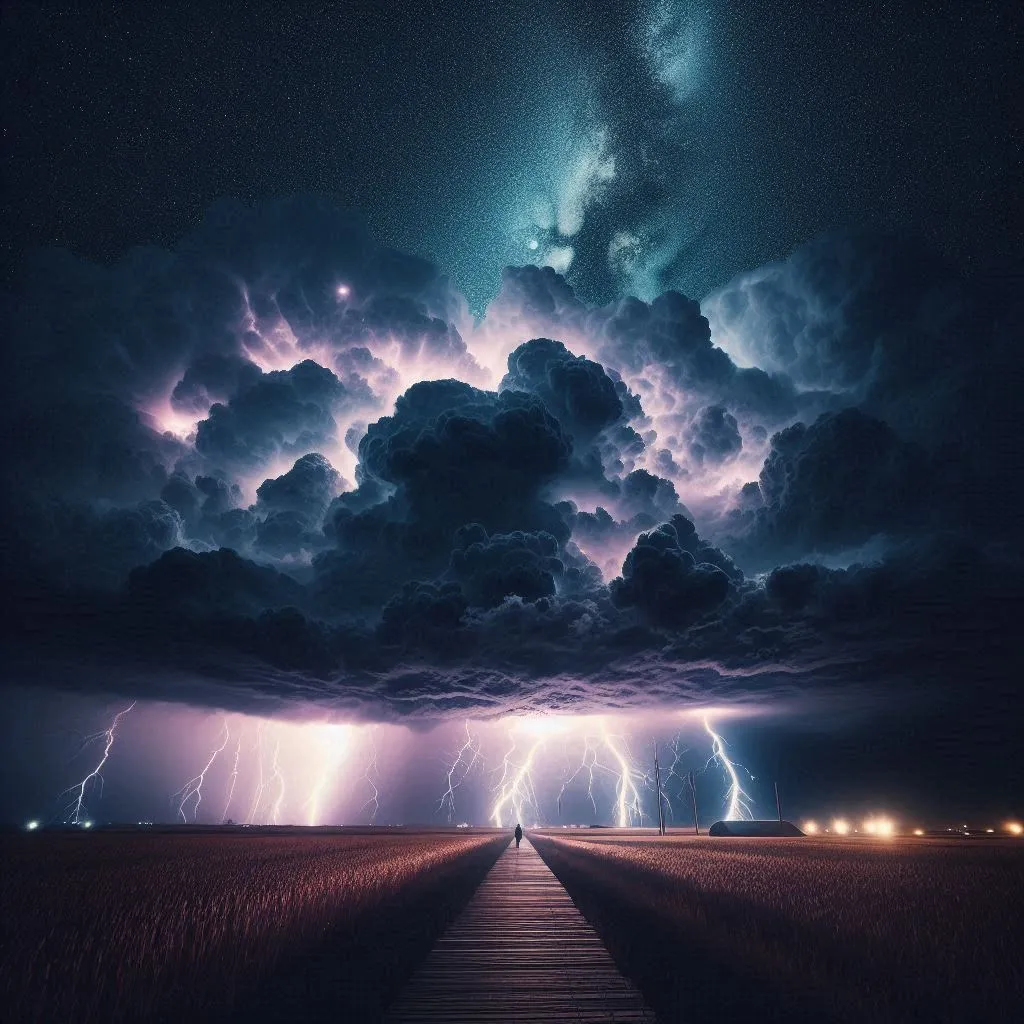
{"x": 520, "y": 951}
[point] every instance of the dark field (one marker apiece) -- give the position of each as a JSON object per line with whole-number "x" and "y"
{"x": 213, "y": 926}
{"x": 802, "y": 929}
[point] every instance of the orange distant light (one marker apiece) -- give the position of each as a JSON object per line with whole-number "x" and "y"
{"x": 841, "y": 827}
{"x": 880, "y": 826}
{"x": 810, "y": 827}
{"x": 1014, "y": 828}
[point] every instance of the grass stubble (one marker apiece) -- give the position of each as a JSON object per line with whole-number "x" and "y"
{"x": 171, "y": 927}
{"x": 802, "y": 929}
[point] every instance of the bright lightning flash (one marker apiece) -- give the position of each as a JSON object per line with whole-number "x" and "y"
{"x": 465, "y": 760}
{"x": 588, "y": 763}
{"x": 333, "y": 741}
{"x": 257, "y": 798}
{"x": 234, "y": 779}
{"x": 739, "y": 801}
{"x": 75, "y": 808}
{"x": 515, "y": 788}
{"x": 627, "y": 795}
{"x": 673, "y": 771}
{"x": 371, "y": 776}
{"x": 194, "y": 786}
{"x": 276, "y": 775}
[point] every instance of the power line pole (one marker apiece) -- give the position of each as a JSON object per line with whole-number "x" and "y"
{"x": 657, "y": 784}
{"x": 693, "y": 797}
{"x": 778, "y": 802}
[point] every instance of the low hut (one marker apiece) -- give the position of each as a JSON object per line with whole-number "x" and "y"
{"x": 771, "y": 827}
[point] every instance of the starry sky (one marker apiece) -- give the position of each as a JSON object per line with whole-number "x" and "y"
{"x": 737, "y": 131}
{"x": 444, "y": 363}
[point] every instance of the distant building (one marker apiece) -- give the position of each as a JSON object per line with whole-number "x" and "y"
{"x": 770, "y": 827}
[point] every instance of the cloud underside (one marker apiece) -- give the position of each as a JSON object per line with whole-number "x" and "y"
{"x": 281, "y": 467}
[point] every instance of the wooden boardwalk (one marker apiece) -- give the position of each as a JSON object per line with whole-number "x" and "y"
{"x": 520, "y": 951}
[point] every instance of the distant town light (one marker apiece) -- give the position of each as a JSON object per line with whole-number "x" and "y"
{"x": 880, "y": 826}
{"x": 810, "y": 827}
{"x": 1014, "y": 828}
{"x": 918, "y": 831}
{"x": 841, "y": 827}
{"x": 86, "y": 824}
{"x": 32, "y": 825}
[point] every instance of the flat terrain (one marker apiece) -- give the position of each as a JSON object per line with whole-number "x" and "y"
{"x": 210, "y": 925}
{"x": 805, "y": 929}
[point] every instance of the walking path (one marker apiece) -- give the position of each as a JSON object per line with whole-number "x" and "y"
{"x": 520, "y": 951}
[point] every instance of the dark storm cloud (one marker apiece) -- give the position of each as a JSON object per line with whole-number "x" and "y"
{"x": 576, "y": 391}
{"x": 462, "y": 570}
{"x": 80, "y": 546}
{"x": 879, "y": 319}
{"x": 836, "y": 484}
{"x": 308, "y": 487}
{"x": 451, "y": 455}
{"x": 489, "y": 569}
{"x": 929, "y": 361}
{"x": 714, "y": 435}
{"x": 101, "y": 362}
{"x": 666, "y": 342}
{"x": 457, "y": 454}
{"x": 666, "y": 581}
{"x": 282, "y": 412}
{"x": 214, "y": 377}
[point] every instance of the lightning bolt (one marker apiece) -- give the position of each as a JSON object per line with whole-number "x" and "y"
{"x": 466, "y": 758}
{"x": 194, "y": 786}
{"x": 234, "y": 779}
{"x": 674, "y": 773}
{"x": 74, "y": 810}
{"x": 618, "y": 765}
{"x": 516, "y": 785}
{"x": 627, "y": 795}
{"x": 739, "y": 801}
{"x": 277, "y": 775}
{"x": 333, "y": 741}
{"x": 258, "y": 797}
{"x": 587, "y": 763}
{"x": 371, "y": 776}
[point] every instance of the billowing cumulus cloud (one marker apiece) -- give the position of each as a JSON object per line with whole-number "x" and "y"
{"x": 281, "y": 412}
{"x": 713, "y": 435}
{"x": 280, "y": 466}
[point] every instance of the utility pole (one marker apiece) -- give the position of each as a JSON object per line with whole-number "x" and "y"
{"x": 778, "y": 802}
{"x": 693, "y": 797}
{"x": 657, "y": 784}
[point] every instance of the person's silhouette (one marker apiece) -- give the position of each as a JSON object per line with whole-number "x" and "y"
{"x": 519, "y": 835}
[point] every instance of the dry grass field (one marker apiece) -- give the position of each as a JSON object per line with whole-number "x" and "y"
{"x": 140, "y": 926}
{"x": 806, "y": 929}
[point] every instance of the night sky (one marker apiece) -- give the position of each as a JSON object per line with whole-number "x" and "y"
{"x": 421, "y": 365}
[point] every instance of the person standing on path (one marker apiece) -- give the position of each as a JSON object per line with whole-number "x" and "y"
{"x": 519, "y": 835}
